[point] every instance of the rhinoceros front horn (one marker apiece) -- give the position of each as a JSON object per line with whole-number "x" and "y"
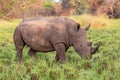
{"x": 93, "y": 50}
{"x": 87, "y": 27}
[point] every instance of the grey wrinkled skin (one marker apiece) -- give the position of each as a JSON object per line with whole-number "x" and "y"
{"x": 52, "y": 34}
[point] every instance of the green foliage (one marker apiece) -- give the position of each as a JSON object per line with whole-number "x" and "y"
{"x": 104, "y": 65}
{"x": 81, "y": 6}
{"x": 48, "y": 4}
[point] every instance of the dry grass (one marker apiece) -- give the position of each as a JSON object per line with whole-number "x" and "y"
{"x": 96, "y": 22}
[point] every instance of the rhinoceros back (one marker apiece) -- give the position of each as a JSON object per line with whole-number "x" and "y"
{"x": 43, "y": 34}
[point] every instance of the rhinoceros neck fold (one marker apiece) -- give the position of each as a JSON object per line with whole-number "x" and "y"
{"x": 69, "y": 41}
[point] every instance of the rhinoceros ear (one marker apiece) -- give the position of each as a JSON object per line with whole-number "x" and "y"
{"x": 77, "y": 27}
{"x": 87, "y": 28}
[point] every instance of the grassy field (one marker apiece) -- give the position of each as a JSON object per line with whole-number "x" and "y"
{"x": 105, "y": 64}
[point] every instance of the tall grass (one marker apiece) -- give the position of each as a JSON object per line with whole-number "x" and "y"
{"x": 100, "y": 21}
{"x": 104, "y": 65}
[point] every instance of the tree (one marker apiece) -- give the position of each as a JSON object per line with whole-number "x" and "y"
{"x": 74, "y": 6}
{"x": 107, "y": 7}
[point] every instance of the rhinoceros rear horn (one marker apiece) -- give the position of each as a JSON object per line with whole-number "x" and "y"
{"x": 87, "y": 27}
{"x": 94, "y": 50}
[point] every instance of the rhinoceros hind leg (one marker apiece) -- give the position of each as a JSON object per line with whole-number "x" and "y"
{"x": 32, "y": 53}
{"x": 19, "y": 45}
{"x": 60, "y": 52}
{"x": 19, "y": 53}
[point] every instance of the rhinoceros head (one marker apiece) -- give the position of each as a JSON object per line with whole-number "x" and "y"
{"x": 80, "y": 43}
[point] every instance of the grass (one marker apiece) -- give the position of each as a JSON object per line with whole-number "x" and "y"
{"x": 105, "y": 64}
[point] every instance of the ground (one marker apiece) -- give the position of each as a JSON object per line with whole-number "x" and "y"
{"x": 104, "y": 65}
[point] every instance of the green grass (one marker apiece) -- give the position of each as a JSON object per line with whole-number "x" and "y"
{"x": 105, "y": 64}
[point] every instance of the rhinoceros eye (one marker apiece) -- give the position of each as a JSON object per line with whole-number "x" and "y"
{"x": 81, "y": 45}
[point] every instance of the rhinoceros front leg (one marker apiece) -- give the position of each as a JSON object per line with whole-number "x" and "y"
{"x": 32, "y": 53}
{"x": 57, "y": 57}
{"x": 60, "y": 52}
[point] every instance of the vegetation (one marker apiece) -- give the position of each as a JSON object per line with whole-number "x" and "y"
{"x": 35, "y": 8}
{"x": 105, "y": 64}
